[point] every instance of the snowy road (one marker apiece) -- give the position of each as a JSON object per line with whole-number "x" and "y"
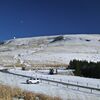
{"x": 77, "y": 86}
{"x": 45, "y": 88}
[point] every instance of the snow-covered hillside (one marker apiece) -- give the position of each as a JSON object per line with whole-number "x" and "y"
{"x": 40, "y": 51}
{"x": 45, "y": 52}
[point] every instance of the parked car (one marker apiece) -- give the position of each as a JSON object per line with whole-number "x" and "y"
{"x": 33, "y": 81}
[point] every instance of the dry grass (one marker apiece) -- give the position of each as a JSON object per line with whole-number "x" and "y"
{"x": 16, "y": 65}
{"x": 8, "y": 93}
{"x": 38, "y": 66}
{"x": 49, "y": 65}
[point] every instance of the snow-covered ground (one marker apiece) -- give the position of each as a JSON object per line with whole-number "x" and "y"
{"x": 63, "y": 58}
{"x": 45, "y": 88}
{"x": 40, "y": 50}
{"x": 91, "y": 82}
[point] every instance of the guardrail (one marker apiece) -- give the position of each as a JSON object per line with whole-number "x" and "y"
{"x": 57, "y": 82}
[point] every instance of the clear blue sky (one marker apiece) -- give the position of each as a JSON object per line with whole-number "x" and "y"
{"x": 22, "y": 18}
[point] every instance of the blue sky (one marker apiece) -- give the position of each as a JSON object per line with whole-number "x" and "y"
{"x": 24, "y": 18}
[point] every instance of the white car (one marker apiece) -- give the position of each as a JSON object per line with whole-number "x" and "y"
{"x": 33, "y": 81}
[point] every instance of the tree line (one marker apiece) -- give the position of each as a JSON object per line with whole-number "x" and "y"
{"x": 85, "y": 68}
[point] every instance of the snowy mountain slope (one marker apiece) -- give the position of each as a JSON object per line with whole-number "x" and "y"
{"x": 40, "y": 50}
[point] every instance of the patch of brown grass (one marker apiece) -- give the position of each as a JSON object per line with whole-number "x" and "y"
{"x": 48, "y": 65}
{"x": 8, "y": 93}
{"x": 31, "y": 96}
